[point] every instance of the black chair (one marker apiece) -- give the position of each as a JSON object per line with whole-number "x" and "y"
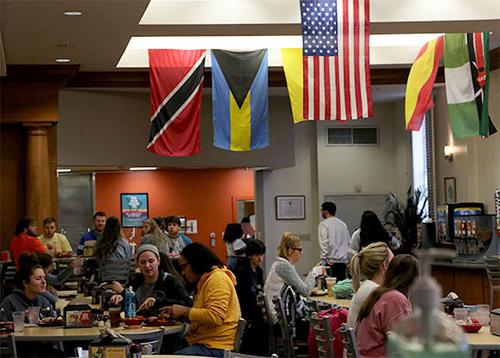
{"x": 323, "y": 336}
{"x": 117, "y": 270}
{"x": 7, "y": 278}
{"x": 240, "y": 331}
{"x": 267, "y": 317}
{"x": 349, "y": 340}
{"x": 285, "y": 348}
{"x": 8, "y": 345}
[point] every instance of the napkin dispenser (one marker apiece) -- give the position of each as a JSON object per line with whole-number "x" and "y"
{"x": 495, "y": 321}
{"x": 78, "y": 316}
{"x": 110, "y": 345}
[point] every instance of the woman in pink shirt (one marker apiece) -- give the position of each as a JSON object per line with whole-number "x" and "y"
{"x": 385, "y": 306}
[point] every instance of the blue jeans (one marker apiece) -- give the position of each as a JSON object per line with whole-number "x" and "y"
{"x": 200, "y": 350}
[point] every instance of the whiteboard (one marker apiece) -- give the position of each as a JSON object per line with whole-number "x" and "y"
{"x": 350, "y": 207}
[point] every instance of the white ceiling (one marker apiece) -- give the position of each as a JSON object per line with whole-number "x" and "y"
{"x": 37, "y": 32}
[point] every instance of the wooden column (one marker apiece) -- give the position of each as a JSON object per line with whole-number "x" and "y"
{"x": 38, "y": 194}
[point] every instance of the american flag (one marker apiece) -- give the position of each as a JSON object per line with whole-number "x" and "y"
{"x": 335, "y": 36}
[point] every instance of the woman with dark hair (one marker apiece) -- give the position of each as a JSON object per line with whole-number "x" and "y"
{"x": 386, "y": 306}
{"x": 216, "y": 310}
{"x": 235, "y": 246}
{"x": 154, "y": 287}
{"x": 112, "y": 246}
{"x": 26, "y": 240}
{"x": 30, "y": 287}
{"x": 371, "y": 230}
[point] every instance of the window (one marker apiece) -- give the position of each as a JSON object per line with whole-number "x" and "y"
{"x": 352, "y": 136}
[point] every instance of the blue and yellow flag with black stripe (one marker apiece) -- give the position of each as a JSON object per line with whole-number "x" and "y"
{"x": 240, "y": 99}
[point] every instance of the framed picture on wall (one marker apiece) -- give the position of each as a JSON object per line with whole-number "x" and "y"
{"x": 134, "y": 208}
{"x": 450, "y": 190}
{"x": 290, "y": 207}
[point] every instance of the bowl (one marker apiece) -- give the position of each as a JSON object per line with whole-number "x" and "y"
{"x": 135, "y": 321}
{"x": 471, "y": 328}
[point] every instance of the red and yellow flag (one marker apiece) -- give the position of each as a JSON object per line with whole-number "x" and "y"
{"x": 420, "y": 82}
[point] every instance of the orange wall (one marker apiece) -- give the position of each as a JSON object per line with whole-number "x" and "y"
{"x": 203, "y": 194}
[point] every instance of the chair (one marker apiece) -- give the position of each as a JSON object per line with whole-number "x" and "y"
{"x": 323, "y": 336}
{"x": 115, "y": 270}
{"x": 493, "y": 271}
{"x": 154, "y": 340}
{"x": 230, "y": 354}
{"x": 238, "y": 337}
{"x": 286, "y": 346}
{"x": 263, "y": 304}
{"x": 349, "y": 340}
{"x": 7, "y": 278}
{"x": 322, "y": 306}
{"x": 8, "y": 345}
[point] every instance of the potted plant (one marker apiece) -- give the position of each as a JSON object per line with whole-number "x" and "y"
{"x": 405, "y": 218}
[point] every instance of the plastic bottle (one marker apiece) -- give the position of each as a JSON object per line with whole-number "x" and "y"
{"x": 129, "y": 306}
{"x": 427, "y": 332}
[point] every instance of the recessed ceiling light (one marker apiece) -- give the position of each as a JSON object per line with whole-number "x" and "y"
{"x": 63, "y": 60}
{"x": 73, "y": 13}
{"x": 142, "y": 168}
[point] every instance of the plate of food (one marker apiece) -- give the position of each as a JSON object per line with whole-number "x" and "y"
{"x": 51, "y": 322}
{"x": 159, "y": 321}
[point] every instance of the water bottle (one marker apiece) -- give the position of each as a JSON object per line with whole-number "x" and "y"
{"x": 129, "y": 303}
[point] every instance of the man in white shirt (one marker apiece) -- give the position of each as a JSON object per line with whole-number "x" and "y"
{"x": 333, "y": 240}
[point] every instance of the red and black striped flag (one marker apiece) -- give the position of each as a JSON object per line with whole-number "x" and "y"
{"x": 176, "y": 80}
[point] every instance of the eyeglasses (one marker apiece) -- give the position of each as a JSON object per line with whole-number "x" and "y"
{"x": 297, "y": 249}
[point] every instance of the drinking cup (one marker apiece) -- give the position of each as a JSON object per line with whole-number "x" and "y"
{"x": 330, "y": 282}
{"x": 114, "y": 316}
{"x": 18, "y": 318}
{"x": 483, "y": 314}
{"x": 461, "y": 314}
{"x": 33, "y": 314}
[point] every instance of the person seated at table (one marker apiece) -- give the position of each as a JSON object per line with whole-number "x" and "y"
{"x": 30, "y": 287}
{"x": 26, "y": 240}
{"x": 154, "y": 287}
{"x": 249, "y": 282}
{"x": 369, "y": 265}
{"x": 215, "y": 313}
{"x": 99, "y": 219}
{"x": 370, "y": 230}
{"x": 386, "y": 306}
{"x": 235, "y": 246}
{"x": 153, "y": 235}
{"x": 54, "y": 240}
{"x": 112, "y": 247}
{"x": 283, "y": 271}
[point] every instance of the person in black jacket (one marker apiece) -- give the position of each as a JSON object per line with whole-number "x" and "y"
{"x": 250, "y": 281}
{"x": 153, "y": 287}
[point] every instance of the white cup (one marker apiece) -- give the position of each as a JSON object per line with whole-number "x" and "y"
{"x": 33, "y": 314}
{"x": 18, "y": 318}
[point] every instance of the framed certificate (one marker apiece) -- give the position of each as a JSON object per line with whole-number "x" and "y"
{"x": 290, "y": 207}
{"x": 134, "y": 209}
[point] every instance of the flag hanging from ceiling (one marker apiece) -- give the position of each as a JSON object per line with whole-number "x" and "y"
{"x": 292, "y": 65}
{"x": 335, "y": 42}
{"x": 466, "y": 61}
{"x": 176, "y": 80}
{"x": 240, "y": 99}
{"x": 421, "y": 79}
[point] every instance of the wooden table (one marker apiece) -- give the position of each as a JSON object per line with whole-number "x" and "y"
{"x": 332, "y": 300}
{"x": 483, "y": 340}
{"x": 41, "y": 334}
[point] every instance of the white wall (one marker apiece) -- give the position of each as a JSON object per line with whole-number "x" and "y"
{"x": 476, "y": 166}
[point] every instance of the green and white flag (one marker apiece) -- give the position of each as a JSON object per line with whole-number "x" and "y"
{"x": 466, "y": 71}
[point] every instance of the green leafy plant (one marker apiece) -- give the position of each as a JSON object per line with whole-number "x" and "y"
{"x": 404, "y": 218}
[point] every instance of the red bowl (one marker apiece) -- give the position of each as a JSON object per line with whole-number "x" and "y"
{"x": 471, "y": 328}
{"x": 137, "y": 320}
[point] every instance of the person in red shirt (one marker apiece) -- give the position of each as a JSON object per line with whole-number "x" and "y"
{"x": 25, "y": 240}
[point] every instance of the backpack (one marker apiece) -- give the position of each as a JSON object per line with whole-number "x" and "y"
{"x": 337, "y": 316}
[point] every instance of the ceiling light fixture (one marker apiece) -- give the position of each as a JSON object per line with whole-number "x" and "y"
{"x": 73, "y": 13}
{"x": 142, "y": 168}
{"x": 63, "y": 60}
{"x": 63, "y": 170}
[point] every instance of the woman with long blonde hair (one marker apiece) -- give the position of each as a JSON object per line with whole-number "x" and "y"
{"x": 367, "y": 269}
{"x": 153, "y": 235}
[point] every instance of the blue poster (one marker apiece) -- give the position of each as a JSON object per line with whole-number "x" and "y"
{"x": 134, "y": 208}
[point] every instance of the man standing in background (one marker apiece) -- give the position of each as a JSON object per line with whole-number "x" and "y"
{"x": 54, "y": 240}
{"x": 333, "y": 240}
{"x": 94, "y": 234}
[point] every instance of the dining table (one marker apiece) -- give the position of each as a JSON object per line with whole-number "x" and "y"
{"x": 483, "y": 340}
{"x": 32, "y": 333}
{"x": 332, "y": 300}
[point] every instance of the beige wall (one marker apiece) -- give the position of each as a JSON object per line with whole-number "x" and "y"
{"x": 476, "y": 165}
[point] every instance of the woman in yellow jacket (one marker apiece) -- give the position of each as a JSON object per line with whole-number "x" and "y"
{"x": 216, "y": 310}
